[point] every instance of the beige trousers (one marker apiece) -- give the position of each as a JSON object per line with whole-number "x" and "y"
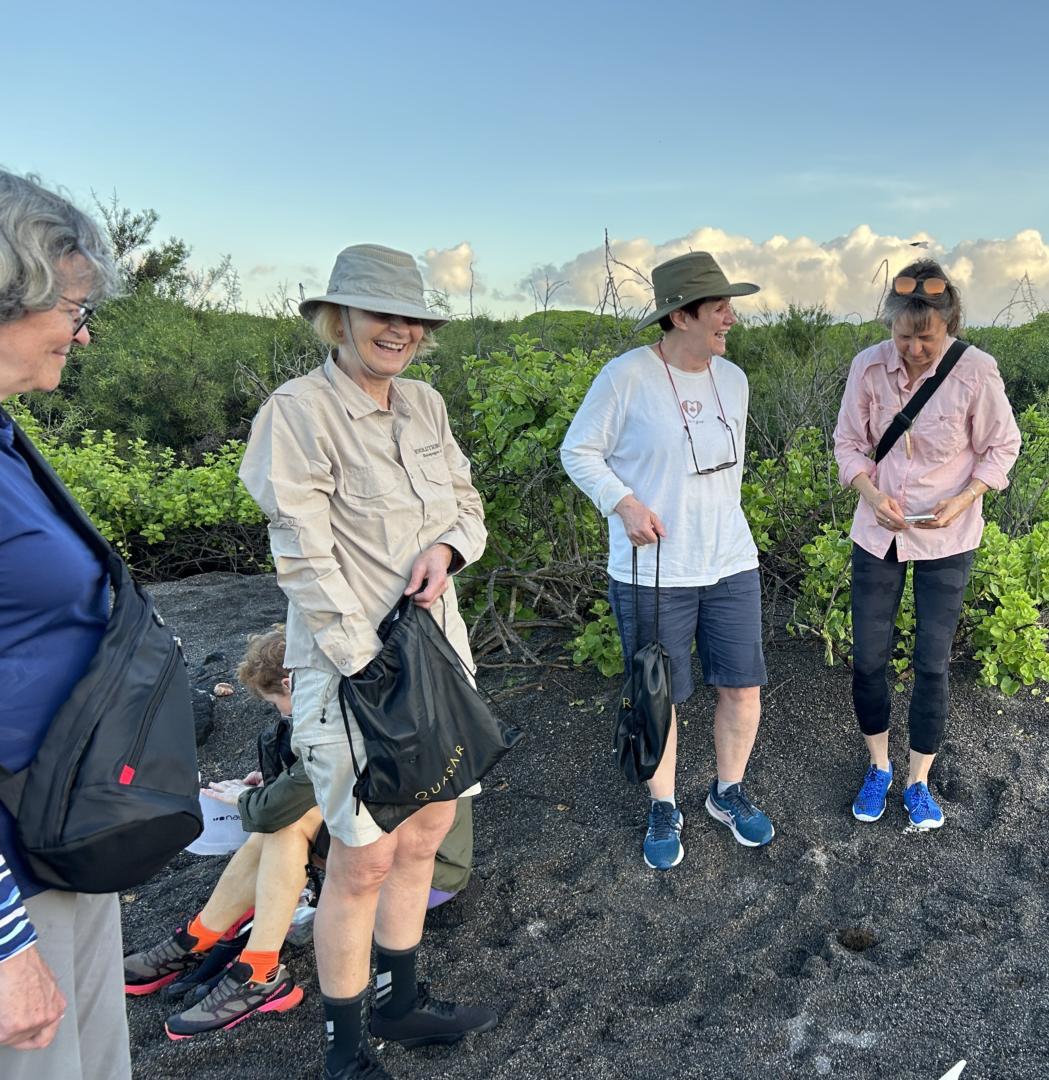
{"x": 79, "y": 938}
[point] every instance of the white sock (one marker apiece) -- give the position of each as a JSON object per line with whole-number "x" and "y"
{"x": 667, "y": 798}
{"x": 724, "y": 785}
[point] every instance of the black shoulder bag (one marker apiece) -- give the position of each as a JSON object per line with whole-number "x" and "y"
{"x": 113, "y": 792}
{"x": 643, "y": 717}
{"x": 902, "y": 421}
{"x": 428, "y": 733}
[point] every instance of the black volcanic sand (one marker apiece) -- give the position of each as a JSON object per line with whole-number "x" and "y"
{"x": 841, "y": 949}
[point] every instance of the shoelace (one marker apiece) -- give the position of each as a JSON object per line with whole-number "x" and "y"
{"x": 869, "y": 789}
{"x": 662, "y": 827}
{"x": 737, "y": 798}
{"x": 921, "y": 802}
{"x": 167, "y": 952}
{"x": 445, "y": 1009}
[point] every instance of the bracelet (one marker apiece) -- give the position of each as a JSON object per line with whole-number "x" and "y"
{"x": 972, "y": 493}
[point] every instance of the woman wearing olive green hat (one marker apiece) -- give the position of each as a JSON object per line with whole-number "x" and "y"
{"x": 658, "y": 446}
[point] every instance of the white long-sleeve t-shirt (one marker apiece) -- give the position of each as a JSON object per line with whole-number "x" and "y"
{"x": 628, "y": 438}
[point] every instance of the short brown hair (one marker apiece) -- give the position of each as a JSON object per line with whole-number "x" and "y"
{"x": 691, "y": 309}
{"x": 262, "y": 668}
{"x": 916, "y": 307}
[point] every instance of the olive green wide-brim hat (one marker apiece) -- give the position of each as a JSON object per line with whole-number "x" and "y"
{"x": 693, "y": 276}
{"x": 376, "y": 278}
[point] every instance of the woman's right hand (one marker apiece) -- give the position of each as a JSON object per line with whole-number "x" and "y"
{"x": 642, "y": 526}
{"x": 887, "y": 511}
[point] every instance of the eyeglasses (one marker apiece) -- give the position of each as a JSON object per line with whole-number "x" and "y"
{"x": 83, "y": 313}
{"x": 907, "y": 286}
{"x": 688, "y": 433}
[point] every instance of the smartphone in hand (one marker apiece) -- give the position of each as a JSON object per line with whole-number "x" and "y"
{"x": 912, "y": 519}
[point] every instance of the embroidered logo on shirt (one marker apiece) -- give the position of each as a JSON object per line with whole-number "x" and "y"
{"x": 692, "y": 408}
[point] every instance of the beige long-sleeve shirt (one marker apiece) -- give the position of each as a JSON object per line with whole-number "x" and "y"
{"x": 353, "y": 494}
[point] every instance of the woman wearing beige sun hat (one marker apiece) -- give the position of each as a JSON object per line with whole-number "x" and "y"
{"x": 369, "y": 498}
{"x": 658, "y": 446}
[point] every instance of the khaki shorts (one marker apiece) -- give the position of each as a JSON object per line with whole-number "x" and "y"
{"x": 319, "y": 738}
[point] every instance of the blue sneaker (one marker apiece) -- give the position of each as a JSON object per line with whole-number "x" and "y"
{"x": 748, "y": 824}
{"x": 923, "y": 810}
{"x": 870, "y": 802}
{"x": 662, "y": 846}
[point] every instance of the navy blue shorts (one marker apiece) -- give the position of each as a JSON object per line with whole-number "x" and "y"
{"x": 724, "y": 620}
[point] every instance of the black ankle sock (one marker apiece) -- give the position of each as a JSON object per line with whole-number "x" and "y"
{"x": 344, "y": 1021}
{"x": 395, "y": 985}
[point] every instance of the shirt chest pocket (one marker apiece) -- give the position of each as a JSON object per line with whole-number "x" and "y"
{"x": 367, "y": 485}
{"x": 943, "y": 434}
{"x": 439, "y": 493}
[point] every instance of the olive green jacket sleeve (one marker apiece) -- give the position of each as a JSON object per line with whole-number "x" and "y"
{"x": 270, "y": 807}
{"x": 455, "y": 856}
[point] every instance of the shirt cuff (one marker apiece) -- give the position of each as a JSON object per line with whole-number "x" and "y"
{"x": 462, "y": 549}
{"x": 994, "y": 478}
{"x": 609, "y": 495}
{"x": 848, "y": 473}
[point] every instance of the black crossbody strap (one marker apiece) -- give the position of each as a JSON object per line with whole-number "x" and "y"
{"x": 906, "y": 416}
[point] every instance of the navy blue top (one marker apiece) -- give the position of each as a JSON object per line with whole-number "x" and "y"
{"x": 54, "y": 605}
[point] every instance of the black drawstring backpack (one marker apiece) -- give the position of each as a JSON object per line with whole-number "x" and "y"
{"x": 429, "y": 734}
{"x": 643, "y": 718}
{"x": 113, "y": 793}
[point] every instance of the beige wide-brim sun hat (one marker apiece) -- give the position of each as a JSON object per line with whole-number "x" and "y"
{"x": 376, "y": 278}
{"x": 692, "y": 276}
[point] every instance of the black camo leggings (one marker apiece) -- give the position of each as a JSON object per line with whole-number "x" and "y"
{"x": 877, "y": 586}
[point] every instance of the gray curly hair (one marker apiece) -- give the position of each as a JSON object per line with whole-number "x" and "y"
{"x": 38, "y": 228}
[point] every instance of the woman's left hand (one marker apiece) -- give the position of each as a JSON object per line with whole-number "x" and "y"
{"x": 431, "y": 567}
{"x": 946, "y": 510}
{"x": 225, "y": 791}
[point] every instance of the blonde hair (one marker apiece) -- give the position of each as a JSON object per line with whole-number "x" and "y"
{"x": 262, "y": 668}
{"x": 326, "y": 320}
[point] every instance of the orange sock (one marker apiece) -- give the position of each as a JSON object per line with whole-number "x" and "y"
{"x": 264, "y": 965}
{"x": 205, "y": 937}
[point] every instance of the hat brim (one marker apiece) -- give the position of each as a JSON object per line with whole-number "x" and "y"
{"x": 739, "y": 288}
{"x": 373, "y": 303}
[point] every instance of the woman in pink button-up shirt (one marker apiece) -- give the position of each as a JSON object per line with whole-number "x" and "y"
{"x": 922, "y": 504}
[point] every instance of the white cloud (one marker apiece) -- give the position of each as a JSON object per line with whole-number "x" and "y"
{"x": 450, "y": 269}
{"x": 842, "y": 274}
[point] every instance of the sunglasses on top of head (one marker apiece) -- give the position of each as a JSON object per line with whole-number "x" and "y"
{"x": 905, "y": 285}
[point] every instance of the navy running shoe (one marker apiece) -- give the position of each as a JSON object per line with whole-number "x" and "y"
{"x": 662, "y": 845}
{"x": 733, "y": 808}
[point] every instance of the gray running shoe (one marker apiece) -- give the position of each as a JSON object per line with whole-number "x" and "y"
{"x": 234, "y": 998}
{"x": 147, "y": 971}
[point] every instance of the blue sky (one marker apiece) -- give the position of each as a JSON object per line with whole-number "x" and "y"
{"x": 280, "y": 133}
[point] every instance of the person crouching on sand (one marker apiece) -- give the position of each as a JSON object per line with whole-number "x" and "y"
{"x": 658, "y": 446}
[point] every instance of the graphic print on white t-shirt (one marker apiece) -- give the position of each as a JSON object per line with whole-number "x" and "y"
{"x": 699, "y": 404}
